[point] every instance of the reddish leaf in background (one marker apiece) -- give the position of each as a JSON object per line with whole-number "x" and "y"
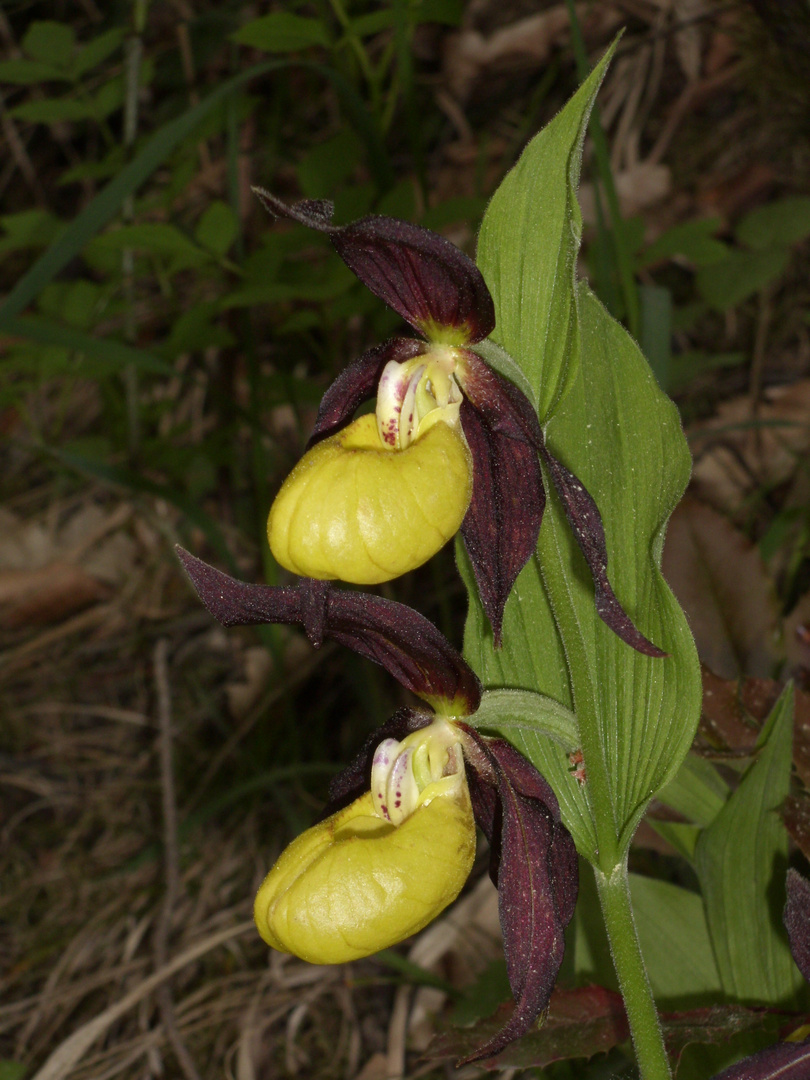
{"x": 796, "y": 816}
{"x": 579, "y": 1024}
{"x": 734, "y": 712}
{"x": 592, "y": 1020}
{"x": 782, "y": 1061}
{"x": 712, "y": 1025}
{"x": 724, "y": 725}
{"x": 797, "y": 920}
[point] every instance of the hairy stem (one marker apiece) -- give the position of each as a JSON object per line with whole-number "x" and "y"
{"x": 648, "y": 1041}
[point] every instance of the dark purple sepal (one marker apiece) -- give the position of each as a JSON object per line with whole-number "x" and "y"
{"x": 537, "y": 881}
{"x": 502, "y": 523}
{"x": 521, "y": 774}
{"x": 796, "y": 917}
{"x": 782, "y": 1061}
{"x": 314, "y": 213}
{"x": 586, "y": 524}
{"x": 358, "y": 383}
{"x": 532, "y": 929}
{"x": 427, "y": 280}
{"x": 487, "y": 813}
{"x": 237, "y": 603}
{"x": 354, "y": 780}
{"x": 393, "y": 635}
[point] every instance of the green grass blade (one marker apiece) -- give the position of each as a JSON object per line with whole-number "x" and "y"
{"x": 103, "y": 350}
{"x": 377, "y": 159}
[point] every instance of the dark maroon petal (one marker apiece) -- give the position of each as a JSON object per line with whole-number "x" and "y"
{"x": 537, "y": 876}
{"x": 503, "y": 407}
{"x": 354, "y": 780}
{"x": 533, "y": 930}
{"x": 782, "y": 1061}
{"x": 586, "y": 524}
{"x": 485, "y": 807}
{"x": 357, "y": 383}
{"x": 421, "y": 275}
{"x": 408, "y": 646}
{"x": 506, "y": 410}
{"x": 565, "y": 876}
{"x": 487, "y": 813}
{"x": 797, "y": 920}
{"x": 531, "y": 784}
{"x": 522, "y": 775}
{"x": 502, "y": 523}
{"x": 393, "y": 635}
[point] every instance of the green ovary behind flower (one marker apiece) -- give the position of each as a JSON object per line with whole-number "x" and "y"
{"x": 357, "y": 883}
{"x": 357, "y": 510}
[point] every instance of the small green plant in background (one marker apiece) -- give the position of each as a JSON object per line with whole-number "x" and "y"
{"x": 725, "y": 274}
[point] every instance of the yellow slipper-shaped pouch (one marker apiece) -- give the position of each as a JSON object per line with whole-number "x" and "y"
{"x": 356, "y": 510}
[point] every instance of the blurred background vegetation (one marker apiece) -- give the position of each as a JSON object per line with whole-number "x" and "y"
{"x": 164, "y": 348}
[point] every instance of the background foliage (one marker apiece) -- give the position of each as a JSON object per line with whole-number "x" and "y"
{"x": 164, "y": 348}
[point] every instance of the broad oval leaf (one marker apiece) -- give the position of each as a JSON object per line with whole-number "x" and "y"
{"x": 282, "y": 32}
{"x": 622, "y": 437}
{"x": 636, "y": 714}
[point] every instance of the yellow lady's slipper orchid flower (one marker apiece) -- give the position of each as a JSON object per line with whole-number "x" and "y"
{"x": 382, "y": 868}
{"x": 338, "y": 518}
{"x": 379, "y": 870}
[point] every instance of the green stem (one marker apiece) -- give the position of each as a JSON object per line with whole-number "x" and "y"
{"x": 648, "y": 1041}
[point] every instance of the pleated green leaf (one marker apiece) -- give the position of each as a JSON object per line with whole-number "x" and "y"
{"x": 741, "y": 860}
{"x": 615, "y": 429}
